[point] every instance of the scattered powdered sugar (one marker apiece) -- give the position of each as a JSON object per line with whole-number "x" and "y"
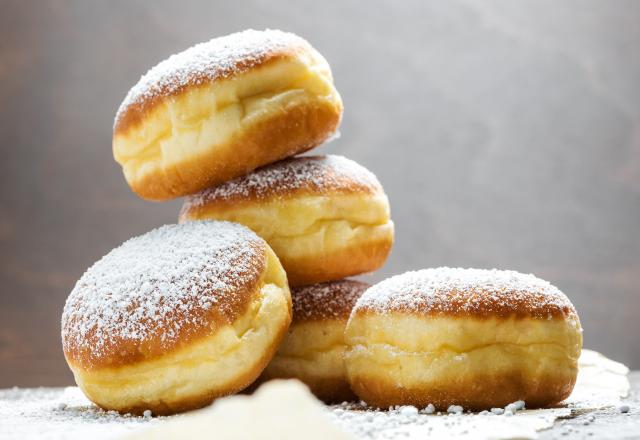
{"x": 62, "y": 413}
{"x": 408, "y": 411}
{"x": 333, "y": 299}
{"x": 205, "y": 62}
{"x": 403, "y": 422}
{"x": 479, "y": 292}
{"x": 161, "y": 286}
{"x": 65, "y": 413}
{"x": 318, "y": 174}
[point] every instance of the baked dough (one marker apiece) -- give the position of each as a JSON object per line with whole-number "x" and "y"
{"x": 475, "y": 338}
{"x": 176, "y": 317}
{"x": 221, "y": 109}
{"x": 326, "y": 217}
{"x": 314, "y": 348}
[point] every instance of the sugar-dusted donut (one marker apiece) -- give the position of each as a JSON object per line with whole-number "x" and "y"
{"x": 221, "y": 109}
{"x": 314, "y": 347}
{"x": 326, "y": 217}
{"x": 475, "y": 338}
{"x": 176, "y": 317}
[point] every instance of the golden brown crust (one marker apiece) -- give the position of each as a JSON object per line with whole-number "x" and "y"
{"x": 326, "y": 217}
{"x": 121, "y": 351}
{"x": 201, "y": 370}
{"x": 131, "y": 115}
{"x": 354, "y": 260}
{"x": 222, "y": 109}
{"x": 396, "y": 357}
{"x": 484, "y": 391}
{"x": 331, "y": 300}
{"x": 308, "y": 175}
{"x": 204, "y": 64}
{"x": 240, "y": 383}
{"x": 466, "y": 293}
{"x": 313, "y": 351}
{"x": 160, "y": 291}
{"x": 284, "y": 134}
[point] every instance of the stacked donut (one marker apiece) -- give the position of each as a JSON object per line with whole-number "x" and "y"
{"x": 181, "y": 315}
{"x": 251, "y": 284}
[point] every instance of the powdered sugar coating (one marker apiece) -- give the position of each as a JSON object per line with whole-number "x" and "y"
{"x": 161, "y": 289}
{"x": 330, "y": 300}
{"x": 476, "y": 292}
{"x": 216, "y": 59}
{"x": 313, "y": 174}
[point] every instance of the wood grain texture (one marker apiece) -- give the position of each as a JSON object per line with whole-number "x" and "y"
{"x": 506, "y": 134}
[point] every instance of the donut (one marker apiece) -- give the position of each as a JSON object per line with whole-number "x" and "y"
{"x": 175, "y": 318}
{"x": 221, "y": 109}
{"x": 314, "y": 347}
{"x": 469, "y": 337}
{"x": 326, "y": 217}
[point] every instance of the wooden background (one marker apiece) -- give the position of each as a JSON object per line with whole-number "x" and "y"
{"x": 507, "y": 134}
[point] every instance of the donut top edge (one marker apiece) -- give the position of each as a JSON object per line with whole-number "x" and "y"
{"x": 326, "y": 301}
{"x": 310, "y": 174}
{"x": 216, "y": 59}
{"x": 160, "y": 290}
{"x": 477, "y": 293}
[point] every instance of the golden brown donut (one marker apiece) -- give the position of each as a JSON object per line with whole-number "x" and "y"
{"x": 326, "y": 217}
{"x": 221, "y": 109}
{"x": 176, "y": 317}
{"x": 314, "y": 347}
{"x": 469, "y": 337}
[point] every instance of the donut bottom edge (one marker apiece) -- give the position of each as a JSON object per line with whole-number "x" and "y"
{"x": 495, "y": 391}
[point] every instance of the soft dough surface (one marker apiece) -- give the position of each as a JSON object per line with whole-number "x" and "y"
{"x": 479, "y": 339}
{"x": 326, "y": 218}
{"x": 176, "y": 317}
{"x": 194, "y": 376}
{"x": 221, "y": 109}
{"x": 313, "y": 350}
{"x": 479, "y": 364}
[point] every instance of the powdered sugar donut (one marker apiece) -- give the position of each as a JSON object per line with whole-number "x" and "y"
{"x": 476, "y": 338}
{"x": 221, "y": 109}
{"x": 326, "y": 217}
{"x": 176, "y": 317}
{"x": 314, "y": 348}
